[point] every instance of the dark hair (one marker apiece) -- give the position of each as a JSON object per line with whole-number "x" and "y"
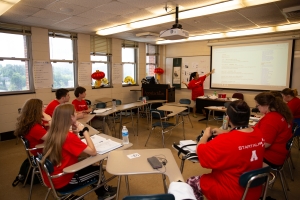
{"x": 193, "y": 75}
{"x": 275, "y": 104}
{"x": 79, "y": 90}
{"x": 289, "y": 91}
{"x": 239, "y": 113}
{"x": 276, "y": 94}
{"x": 61, "y": 93}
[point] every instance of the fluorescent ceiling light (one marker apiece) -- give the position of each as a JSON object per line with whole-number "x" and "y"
{"x": 6, "y": 5}
{"x": 197, "y": 12}
{"x": 235, "y": 33}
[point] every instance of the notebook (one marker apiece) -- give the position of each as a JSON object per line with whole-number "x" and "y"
{"x": 103, "y": 145}
{"x": 186, "y": 142}
{"x": 101, "y": 110}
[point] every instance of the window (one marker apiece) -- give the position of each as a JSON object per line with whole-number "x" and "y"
{"x": 101, "y": 63}
{"x": 100, "y": 49}
{"x": 129, "y": 61}
{"x": 15, "y": 62}
{"x": 151, "y": 59}
{"x": 63, "y": 59}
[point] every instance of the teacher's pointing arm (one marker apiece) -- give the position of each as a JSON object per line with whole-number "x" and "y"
{"x": 209, "y": 73}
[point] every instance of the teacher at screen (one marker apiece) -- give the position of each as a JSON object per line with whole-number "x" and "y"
{"x": 196, "y": 85}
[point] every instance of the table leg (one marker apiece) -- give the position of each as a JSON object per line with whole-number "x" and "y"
{"x": 138, "y": 117}
{"x": 127, "y": 185}
{"x": 118, "y": 187}
{"x": 208, "y": 117}
{"x": 165, "y": 183}
{"x": 120, "y": 127}
{"x": 132, "y": 122}
{"x": 183, "y": 127}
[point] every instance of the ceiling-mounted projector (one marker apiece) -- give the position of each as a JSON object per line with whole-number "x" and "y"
{"x": 176, "y": 32}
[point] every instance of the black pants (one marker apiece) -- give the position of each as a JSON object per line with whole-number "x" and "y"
{"x": 84, "y": 176}
{"x": 271, "y": 164}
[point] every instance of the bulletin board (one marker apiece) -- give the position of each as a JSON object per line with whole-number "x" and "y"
{"x": 200, "y": 64}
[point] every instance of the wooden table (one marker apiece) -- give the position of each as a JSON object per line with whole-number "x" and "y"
{"x": 119, "y": 164}
{"x": 213, "y": 109}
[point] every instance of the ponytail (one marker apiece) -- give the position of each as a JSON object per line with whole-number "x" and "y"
{"x": 289, "y": 91}
{"x": 193, "y": 75}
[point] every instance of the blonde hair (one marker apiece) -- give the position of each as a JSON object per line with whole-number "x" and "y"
{"x": 30, "y": 115}
{"x": 289, "y": 91}
{"x": 60, "y": 125}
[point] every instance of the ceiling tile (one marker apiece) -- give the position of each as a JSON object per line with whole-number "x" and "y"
{"x": 287, "y": 3}
{"x": 117, "y": 20}
{"x": 117, "y": 8}
{"x": 272, "y": 23}
{"x": 58, "y": 6}
{"x": 97, "y": 14}
{"x": 39, "y": 21}
{"x": 225, "y": 17}
{"x": 99, "y": 25}
{"x": 36, "y": 3}
{"x": 88, "y": 3}
{"x": 12, "y": 16}
{"x": 188, "y": 4}
{"x": 23, "y": 9}
{"x": 236, "y": 23}
{"x": 138, "y": 15}
{"x": 66, "y": 25}
{"x": 143, "y": 4}
{"x": 50, "y": 15}
{"x": 259, "y": 11}
{"x": 79, "y": 20}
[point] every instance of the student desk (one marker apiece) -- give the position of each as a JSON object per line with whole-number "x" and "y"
{"x": 177, "y": 104}
{"x": 119, "y": 164}
{"x": 213, "y": 109}
{"x": 86, "y": 118}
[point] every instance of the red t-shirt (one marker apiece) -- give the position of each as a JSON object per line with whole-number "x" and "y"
{"x": 276, "y": 131}
{"x": 197, "y": 87}
{"x": 34, "y": 137}
{"x": 294, "y": 106}
{"x": 51, "y": 106}
{"x": 229, "y": 155}
{"x": 80, "y": 105}
{"x": 71, "y": 149}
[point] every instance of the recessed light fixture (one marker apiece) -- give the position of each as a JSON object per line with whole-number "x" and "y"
{"x": 66, "y": 10}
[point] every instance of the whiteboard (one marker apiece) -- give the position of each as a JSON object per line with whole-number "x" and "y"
{"x": 296, "y": 71}
{"x": 200, "y": 64}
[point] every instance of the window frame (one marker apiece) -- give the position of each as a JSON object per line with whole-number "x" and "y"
{"x": 135, "y": 65}
{"x": 156, "y": 54}
{"x": 73, "y": 38}
{"x": 108, "y": 62}
{"x": 27, "y": 37}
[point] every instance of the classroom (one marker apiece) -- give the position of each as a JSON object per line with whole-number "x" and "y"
{"x": 129, "y": 55}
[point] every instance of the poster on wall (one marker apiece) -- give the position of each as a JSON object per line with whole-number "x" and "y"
{"x": 117, "y": 73}
{"x": 84, "y": 73}
{"x": 176, "y": 74}
{"x": 42, "y": 71}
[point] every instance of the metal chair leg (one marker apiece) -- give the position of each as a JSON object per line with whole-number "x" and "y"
{"x": 149, "y": 136}
{"x": 190, "y": 121}
{"x": 163, "y": 138}
{"x": 290, "y": 168}
{"x": 27, "y": 175}
{"x": 283, "y": 185}
{"x": 182, "y": 165}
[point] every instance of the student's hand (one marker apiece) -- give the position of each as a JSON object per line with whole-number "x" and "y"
{"x": 208, "y": 132}
{"x": 46, "y": 117}
{"x": 77, "y": 126}
{"x": 80, "y": 115}
{"x": 213, "y": 71}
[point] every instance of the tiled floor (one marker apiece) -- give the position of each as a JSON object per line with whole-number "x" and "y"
{"x": 12, "y": 155}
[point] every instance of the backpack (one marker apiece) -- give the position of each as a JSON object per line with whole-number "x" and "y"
{"x": 22, "y": 174}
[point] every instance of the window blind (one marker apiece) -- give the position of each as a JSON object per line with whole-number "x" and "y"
{"x": 15, "y": 29}
{"x": 128, "y": 43}
{"x": 100, "y": 45}
{"x": 62, "y": 34}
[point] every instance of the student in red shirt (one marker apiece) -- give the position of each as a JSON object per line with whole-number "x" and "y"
{"x": 29, "y": 124}
{"x": 276, "y": 126}
{"x": 79, "y": 103}
{"x": 63, "y": 148}
{"x": 293, "y": 102}
{"x": 196, "y": 85}
{"x": 62, "y": 96}
{"x": 229, "y": 155}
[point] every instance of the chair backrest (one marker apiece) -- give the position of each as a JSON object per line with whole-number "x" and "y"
{"x": 256, "y": 110}
{"x": 157, "y": 114}
{"x": 238, "y": 96}
{"x": 118, "y": 102}
{"x": 294, "y": 130}
{"x": 88, "y": 102}
{"x": 151, "y": 197}
{"x": 141, "y": 98}
{"x": 255, "y": 178}
{"x": 185, "y": 101}
{"x": 226, "y": 104}
{"x": 27, "y": 149}
{"x": 101, "y": 105}
{"x": 289, "y": 144}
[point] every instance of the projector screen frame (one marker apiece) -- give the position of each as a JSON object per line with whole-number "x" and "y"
{"x": 253, "y": 89}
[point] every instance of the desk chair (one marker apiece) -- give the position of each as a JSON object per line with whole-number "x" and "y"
{"x": 101, "y": 105}
{"x": 186, "y": 113}
{"x": 33, "y": 165}
{"x": 289, "y": 158}
{"x": 279, "y": 169}
{"x": 162, "y": 123}
{"x": 48, "y": 168}
{"x": 151, "y": 197}
{"x": 255, "y": 178}
{"x": 88, "y": 102}
{"x": 238, "y": 96}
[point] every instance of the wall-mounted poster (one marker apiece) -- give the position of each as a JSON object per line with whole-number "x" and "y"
{"x": 176, "y": 74}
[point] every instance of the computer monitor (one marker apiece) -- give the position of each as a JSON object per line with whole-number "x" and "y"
{"x": 151, "y": 79}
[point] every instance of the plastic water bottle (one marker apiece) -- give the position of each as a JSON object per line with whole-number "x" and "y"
{"x": 225, "y": 123}
{"x": 125, "y": 135}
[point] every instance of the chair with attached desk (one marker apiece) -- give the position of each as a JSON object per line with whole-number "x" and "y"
{"x": 48, "y": 168}
{"x": 161, "y": 122}
{"x": 186, "y": 113}
{"x": 255, "y": 178}
{"x": 33, "y": 166}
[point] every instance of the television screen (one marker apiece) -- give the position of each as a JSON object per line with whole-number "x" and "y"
{"x": 151, "y": 79}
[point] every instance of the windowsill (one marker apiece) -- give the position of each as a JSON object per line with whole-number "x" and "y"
{"x": 101, "y": 87}
{"x": 128, "y": 85}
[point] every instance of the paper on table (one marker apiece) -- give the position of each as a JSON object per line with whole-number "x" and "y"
{"x": 102, "y": 110}
{"x": 256, "y": 119}
{"x": 202, "y": 97}
{"x": 186, "y": 142}
{"x": 103, "y": 145}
